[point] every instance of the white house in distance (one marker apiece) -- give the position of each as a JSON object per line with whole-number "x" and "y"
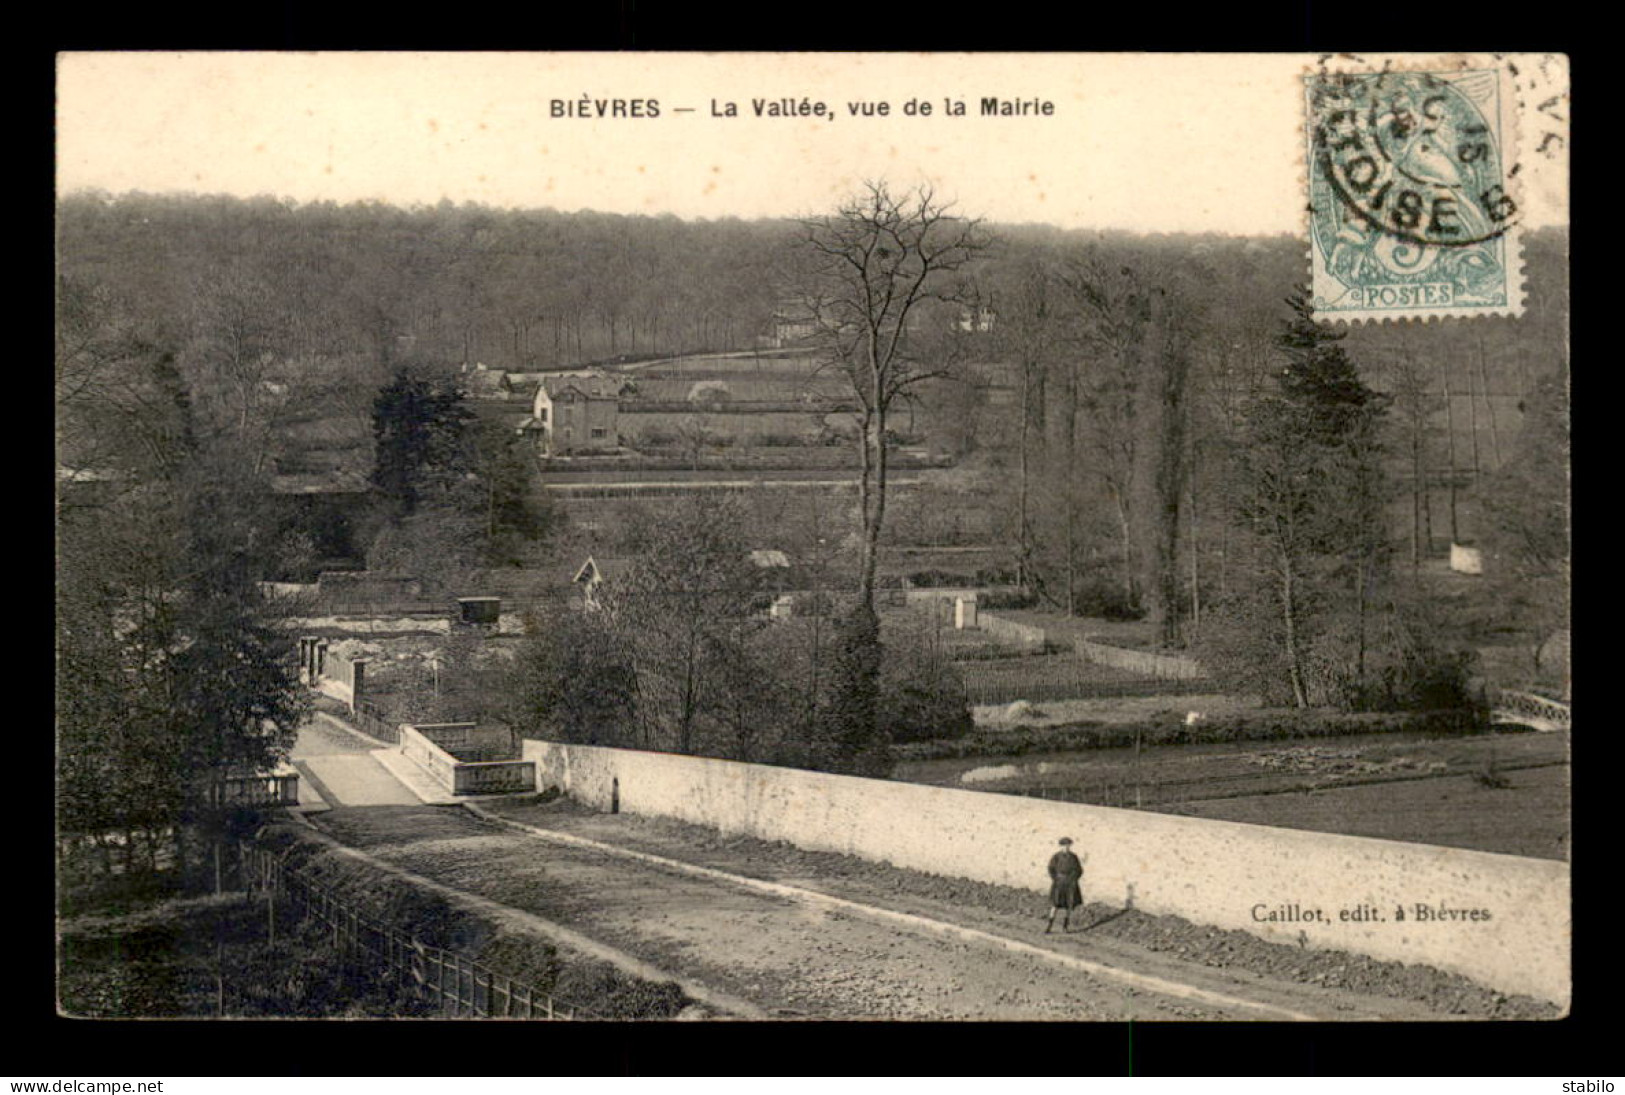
{"x": 576, "y": 412}
{"x": 978, "y": 320}
{"x": 793, "y": 323}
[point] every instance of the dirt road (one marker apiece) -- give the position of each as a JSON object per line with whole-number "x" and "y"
{"x": 796, "y": 950}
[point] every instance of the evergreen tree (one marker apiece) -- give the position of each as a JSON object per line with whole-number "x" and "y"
{"x": 420, "y": 431}
{"x": 172, "y": 673}
{"x": 515, "y": 519}
{"x": 854, "y": 739}
{"x": 236, "y": 700}
{"x": 1309, "y": 489}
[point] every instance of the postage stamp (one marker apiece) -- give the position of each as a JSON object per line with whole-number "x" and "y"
{"x": 1412, "y": 208}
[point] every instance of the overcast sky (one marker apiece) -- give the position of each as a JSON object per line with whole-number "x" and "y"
{"x": 1144, "y": 142}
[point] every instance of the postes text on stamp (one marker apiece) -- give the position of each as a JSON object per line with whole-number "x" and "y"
{"x": 1411, "y": 211}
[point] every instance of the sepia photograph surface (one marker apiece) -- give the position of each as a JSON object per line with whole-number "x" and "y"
{"x": 672, "y": 536}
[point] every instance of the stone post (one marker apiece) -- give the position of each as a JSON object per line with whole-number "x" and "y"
{"x": 965, "y": 613}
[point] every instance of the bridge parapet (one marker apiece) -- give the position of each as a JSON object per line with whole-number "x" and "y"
{"x": 1528, "y": 705}
{"x": 462, "y": 777}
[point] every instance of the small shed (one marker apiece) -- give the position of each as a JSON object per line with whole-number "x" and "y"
{"x": 479, "y": 611}
{"x": 1465, "y": 559}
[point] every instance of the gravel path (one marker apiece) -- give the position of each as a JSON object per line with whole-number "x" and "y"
{"x": 793, "y": 958}
{"x": 983, "y": 956}
{"x": 1329, "y": 984}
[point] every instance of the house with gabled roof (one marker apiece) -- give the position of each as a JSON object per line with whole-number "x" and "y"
{"x": 794, "y": 323}
{"x": 593, "y": 574}
{"x": 575, "y": 414}
{"x": 482, "y": 382}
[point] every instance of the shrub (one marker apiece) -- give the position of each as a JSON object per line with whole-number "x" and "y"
{"x": 938, "y": 579}
{"x": 1015, "y": 598}
{"x": 923, "y": 697}
{"x": 1104, "y": 599}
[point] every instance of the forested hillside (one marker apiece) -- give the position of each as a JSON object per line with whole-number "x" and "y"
{"x": 1114, "y": 363}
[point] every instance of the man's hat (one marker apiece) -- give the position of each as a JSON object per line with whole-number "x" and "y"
{"x": 1066, "y": 840}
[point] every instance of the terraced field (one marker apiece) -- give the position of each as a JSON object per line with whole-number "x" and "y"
{"x": 1504, "y": 792}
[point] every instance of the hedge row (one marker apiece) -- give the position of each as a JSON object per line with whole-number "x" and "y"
{"x": 1170, "y": 729}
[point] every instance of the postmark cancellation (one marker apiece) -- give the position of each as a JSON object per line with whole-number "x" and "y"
{"x": 1412, "y": 197}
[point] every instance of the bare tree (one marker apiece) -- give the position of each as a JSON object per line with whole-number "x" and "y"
{"x": 1028, "y": 333}
{"x": 1138, "y": 333}
{"x": 877, "y": 265}
{"x": 1416, "y": 428}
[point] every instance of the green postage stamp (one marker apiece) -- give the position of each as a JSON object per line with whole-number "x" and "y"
{"x": 1412, "y": 197}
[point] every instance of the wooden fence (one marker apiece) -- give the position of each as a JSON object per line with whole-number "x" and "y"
{"x": 1055, "y": 677}
{"x": 445, "y": 979}
{"x": 1161, "y": 666}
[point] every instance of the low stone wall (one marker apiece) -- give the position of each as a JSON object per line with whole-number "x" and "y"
{"x": 497, "y": 777}
{"x": 1166, "y": 667}
{"x": 464, "y": 777}
{"x": 429, "y": 756}
{"x": 364, "y": 593}
{"x": 1500, "y": 920}
{"x": 928, "y": 598}
{"x": 449, "y": 736}
{"x": 470, "y": 743}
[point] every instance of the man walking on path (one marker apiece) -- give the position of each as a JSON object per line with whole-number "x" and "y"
{"x": 1065, "y": 872}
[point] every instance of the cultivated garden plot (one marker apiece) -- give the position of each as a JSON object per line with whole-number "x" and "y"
{"x": 1495, "y": 792}
{"x": 746, "y": 385}
{"x": 668, "y": 427}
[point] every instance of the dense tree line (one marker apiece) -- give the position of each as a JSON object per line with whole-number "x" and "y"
{"x": 1316, "y": 613}
{"x": 1132, "y": 364}
{"x": 1528, "y": 515}
{"x": 367, "y": 283}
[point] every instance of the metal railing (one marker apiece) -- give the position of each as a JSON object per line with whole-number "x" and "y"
{"x": 374, "y": 722}
{"x": 453, "y": 984}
